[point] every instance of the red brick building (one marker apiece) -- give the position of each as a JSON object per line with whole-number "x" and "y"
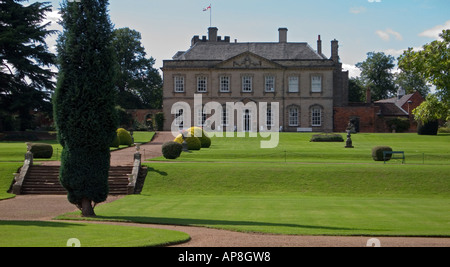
{"x": 372, "y": 117}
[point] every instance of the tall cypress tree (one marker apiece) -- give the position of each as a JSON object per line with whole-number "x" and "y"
{"x": 84, "y": 101}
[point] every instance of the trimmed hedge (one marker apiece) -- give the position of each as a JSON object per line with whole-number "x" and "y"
{"x": 377, "y": 153}
{"x": 327, "y": 138}
{"x": 42, "y": 151}
{"x": 172, "y": 150}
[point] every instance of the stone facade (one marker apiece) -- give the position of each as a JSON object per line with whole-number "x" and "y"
{"x": 304, "y": 82}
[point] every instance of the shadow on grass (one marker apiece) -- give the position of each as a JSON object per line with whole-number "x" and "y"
{"x": 219, "y": 223}
{"x": 38, "y": 223}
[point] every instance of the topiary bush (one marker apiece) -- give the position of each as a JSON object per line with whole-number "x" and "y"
{"x": 428, "y": 128}
{"x": 172, "y": 150}
{"x": 377, "y": 153}
{"x": 42, "y": 151}
{"x": 201, "y": 135}
{"x": 193, "y": 142}
{"x": 124, "y": 137}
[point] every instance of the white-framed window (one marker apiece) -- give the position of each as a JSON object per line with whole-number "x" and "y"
{"x": 269, "y": 121}
{"x": 224, "y": 84}
{"x": 293, "y": 84}
{"x": 201, "y": 117}
{"x": 316, "y": 116}
{"x": 179, "y": 84}
{"x": 247, "y": 84}
{"x": 316, "y": 83}
{"x": 225, "y": 116}
{"x": 202, "y": 84}
{"x": 293, "y": 116}
{"x": 270, "y": 84}
{"x": 179, "y": 118}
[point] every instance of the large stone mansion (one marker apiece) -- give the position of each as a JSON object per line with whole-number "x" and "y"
{"x": 305, "y": 83}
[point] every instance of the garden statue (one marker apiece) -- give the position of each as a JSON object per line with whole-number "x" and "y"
{"x": 349, "y": 143}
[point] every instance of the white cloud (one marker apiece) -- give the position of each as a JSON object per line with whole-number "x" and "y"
{"x": 353, "y": 71}
{"x": 386, "y": 35}
{"x": 435, "y": 31}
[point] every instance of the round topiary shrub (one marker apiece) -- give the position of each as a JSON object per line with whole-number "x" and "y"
{"x": 377, "y": 153}
{"x": 193, "y": 142}
{"x": 201, "y": 135}
{"x": 124, "y": 137}
{"x": 42, "y": 151}
{"x": 172, "y": 150}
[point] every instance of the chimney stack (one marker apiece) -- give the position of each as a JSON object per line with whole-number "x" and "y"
{"x": 212, "y": 34}
{"x": 319, "y": 46}
{"x": 335, "y": 50}
{"x": 368, "y": 96}
{"x": 283, "y": 35}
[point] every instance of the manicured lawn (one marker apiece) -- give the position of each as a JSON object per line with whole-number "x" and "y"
{"x": 300, "y": 199}
{"x": 6, "y": 177}
{"x": 289, "y": 214}
{"x": 15, "y": 151}
{"x": 299, "y": 188}
{"x": 296, "y": 147}
{"x": 56, "y": 234}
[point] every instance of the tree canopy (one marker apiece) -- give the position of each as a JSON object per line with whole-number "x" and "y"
{"x": 139, "y": 84}
{"x": 25, "y": 62}
{"x": 376, "y": 74}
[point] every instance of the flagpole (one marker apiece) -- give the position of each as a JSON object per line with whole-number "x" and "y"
{"x": 210, "y": 16}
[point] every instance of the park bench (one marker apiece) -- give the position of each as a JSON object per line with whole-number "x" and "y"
{"x": 393, "y": 153}
{"x": 304, "y": 130}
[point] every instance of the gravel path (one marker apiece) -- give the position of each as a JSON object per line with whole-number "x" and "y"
{"x": 44, "y": 208}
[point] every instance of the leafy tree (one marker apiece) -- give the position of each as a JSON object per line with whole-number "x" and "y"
{"x": 25, "y": 62}
{"x": 356, "y": 90}
{"x": 84, "y": 101}
{"x": 376, "y": 73}
{"x": 139, "y": 84}
{"x": 432, "y": 63}
{"x": 411, "y": 82}
{"x": 432, "y": 109}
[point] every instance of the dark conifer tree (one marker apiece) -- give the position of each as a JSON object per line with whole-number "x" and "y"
{"x": 26, "y": 77}
{"x": 84, "y": 101}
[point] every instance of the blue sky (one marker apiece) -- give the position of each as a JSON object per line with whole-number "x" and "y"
{"x": 361, "y": 26}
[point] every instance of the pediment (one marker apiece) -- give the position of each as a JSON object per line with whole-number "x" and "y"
{"x": 248, "y": 60}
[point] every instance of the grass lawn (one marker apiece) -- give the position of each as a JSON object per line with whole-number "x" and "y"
{"x": 317, "y": 191}
{"x": 56, "y": 234}
{"x": 296, "y": 147}
{"x": 15, "y": 151}
{"x": 298, "y": 188}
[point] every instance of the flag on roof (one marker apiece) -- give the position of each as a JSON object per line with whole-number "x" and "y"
{"x": 207, "y": 8}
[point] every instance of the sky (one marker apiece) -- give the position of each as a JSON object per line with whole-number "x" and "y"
{"x": 360, "y": 26}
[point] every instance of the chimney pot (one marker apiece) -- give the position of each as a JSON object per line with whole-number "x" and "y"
{"x": 283, "y": 35}
{"x": 319, "y": 46}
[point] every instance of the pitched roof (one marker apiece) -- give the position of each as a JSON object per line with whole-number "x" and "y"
{"x": 391, "y": 109}
{"x": 271, "y": 51}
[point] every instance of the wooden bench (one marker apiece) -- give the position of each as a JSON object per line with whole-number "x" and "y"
{"x": 393, "y": 153}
